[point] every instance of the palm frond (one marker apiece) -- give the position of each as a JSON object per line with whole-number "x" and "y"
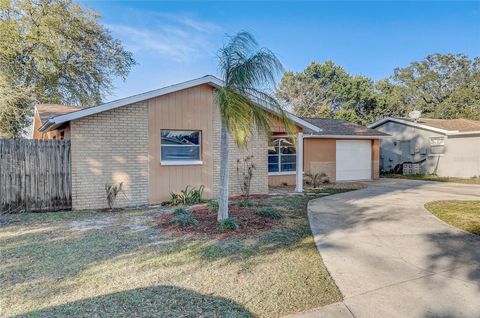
{"x": 246, "y": 71}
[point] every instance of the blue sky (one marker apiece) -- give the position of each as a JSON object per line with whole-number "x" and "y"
{"x": 177, "y": 41}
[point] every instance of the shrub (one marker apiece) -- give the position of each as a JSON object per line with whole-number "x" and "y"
{"x": 112, "y": 191}
{"x": 187, "y": 196}
{"x": 245, "y": 170}
{"x": 245, "y": 203}
{"x": 212, "y": 206}
{"x": 269, "y": 212}
{"x": 183, "y": 218}
{"x": 229, "y": 224}
{"x": 314, "y": 179}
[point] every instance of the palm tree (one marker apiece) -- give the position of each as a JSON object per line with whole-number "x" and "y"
{"x": 246, "y": 71}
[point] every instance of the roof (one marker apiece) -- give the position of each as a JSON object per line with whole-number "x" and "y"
{"x": 445, "y": 126}
{"x": 338, "y": 128}
{"x": 56, "y": 121}
{"x": 47, "y": 111}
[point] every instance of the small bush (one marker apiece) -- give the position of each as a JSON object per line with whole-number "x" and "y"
{"x": 183, "y": 218}
{"x": 271, "y": 213}
{"x": 212, "y": 206}
{"x": 187, "y": 196}
{"x": 228, "y": 224}
{"x": 112, "y": 191}
{"x": 315, "y": 179}
{"x": 245, "y": 203}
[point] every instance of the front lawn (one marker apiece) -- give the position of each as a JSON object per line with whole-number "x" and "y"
{"x": 462, "y": 214}
{"x": 103, "y": 264}
{"x": 430, "y": 177}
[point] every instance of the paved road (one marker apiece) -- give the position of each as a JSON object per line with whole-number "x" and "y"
{"x": 392, "y": 258}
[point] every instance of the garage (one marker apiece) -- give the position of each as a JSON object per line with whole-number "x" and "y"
{"x": 353, "y": 160}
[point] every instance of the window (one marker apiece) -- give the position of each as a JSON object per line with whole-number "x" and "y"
{"x": 180, "y": 146}
{"x": 281, "y": 155}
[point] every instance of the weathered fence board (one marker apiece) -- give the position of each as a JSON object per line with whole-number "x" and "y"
{"x": 35, "y": 175}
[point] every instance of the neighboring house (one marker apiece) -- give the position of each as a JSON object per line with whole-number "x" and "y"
{"x": 43, "y": 112}
{"x": 160, "y": 141}
{"x": 445, "y": 147}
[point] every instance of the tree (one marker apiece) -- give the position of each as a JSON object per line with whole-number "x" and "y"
{"x": 54, "y": 51}
{"x": 245, "y": 71}
{"x": 441, "y": 86}
{"x": 327, "y": 90}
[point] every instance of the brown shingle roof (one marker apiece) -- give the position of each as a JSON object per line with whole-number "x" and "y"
{"x": 332, "y": 126}
{"x": 47, "y": 111}
{"x": 460, "y": 124}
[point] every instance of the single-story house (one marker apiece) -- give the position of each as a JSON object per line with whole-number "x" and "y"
{"x": 160, "y": 141}
{"x": 445, "y": 147}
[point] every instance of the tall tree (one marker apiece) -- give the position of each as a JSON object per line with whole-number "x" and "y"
{"x": 54, "y": 51}
{"x": 441, "y": 86}
{"x": 245, "y": 70}
{"x": 327, "y": 90}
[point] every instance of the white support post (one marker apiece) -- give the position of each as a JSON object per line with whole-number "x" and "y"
{"x": 299, "y": 172}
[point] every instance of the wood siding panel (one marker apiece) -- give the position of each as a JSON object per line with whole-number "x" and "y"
{"x": 190, "y": 109}
{"x": 279, "y": 180}
{"x": 319, "y": 155}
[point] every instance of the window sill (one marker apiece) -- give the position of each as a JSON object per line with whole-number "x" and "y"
{"x": 182, "y": 163}
{"x": 286, "y": 173}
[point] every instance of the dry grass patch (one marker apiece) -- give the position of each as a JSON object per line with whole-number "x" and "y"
{"x": 462, "y": 214}
{"x": 90, "y": 264}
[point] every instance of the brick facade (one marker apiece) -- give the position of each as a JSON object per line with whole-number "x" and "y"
{"x": 109, "y": 148}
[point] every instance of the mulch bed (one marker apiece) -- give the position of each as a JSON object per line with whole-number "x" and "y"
{"x": 247, "y": 220}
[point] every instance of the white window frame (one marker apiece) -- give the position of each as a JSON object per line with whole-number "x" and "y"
{"x": 182, "y": 162}
{"x": 279, "y": 155}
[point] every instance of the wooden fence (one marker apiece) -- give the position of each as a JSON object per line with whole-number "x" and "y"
{"x": 35, "y": 175}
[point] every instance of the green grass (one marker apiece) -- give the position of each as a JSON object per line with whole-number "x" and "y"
{"x": 429, "y": 177}
{"x": 462, "y": 214}
{"x": 93, "y": 264}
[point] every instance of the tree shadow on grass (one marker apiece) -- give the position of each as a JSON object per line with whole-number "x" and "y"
{"x": 158, "y": 301}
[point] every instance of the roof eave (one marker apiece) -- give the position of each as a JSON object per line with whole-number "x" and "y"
{"x": 411, "y": 124}
{"x": 345, "y": 136}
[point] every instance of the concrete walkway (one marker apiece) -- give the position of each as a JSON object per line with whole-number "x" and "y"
{"x": 392, "y": 258}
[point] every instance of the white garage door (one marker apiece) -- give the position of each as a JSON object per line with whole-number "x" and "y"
{"x": 354, "y": 160}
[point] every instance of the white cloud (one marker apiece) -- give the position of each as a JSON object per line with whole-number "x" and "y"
{"x": 176, "y": 37}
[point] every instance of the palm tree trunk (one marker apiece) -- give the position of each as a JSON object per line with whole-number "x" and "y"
{"x": 224, "y": 174}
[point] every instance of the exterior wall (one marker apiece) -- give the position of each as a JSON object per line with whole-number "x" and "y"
{"x": 319, "y": 155}
{"x": 110, "y": 147}
{"x": 417, "y": 146}
{"x": 279, "y": 180}
{"x": 189, "y": 109}
{"x": 462, "y": 157}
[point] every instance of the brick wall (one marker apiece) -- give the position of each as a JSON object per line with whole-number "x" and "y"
{"x": 257, "y": 146}
{"x": 110, "y": 147}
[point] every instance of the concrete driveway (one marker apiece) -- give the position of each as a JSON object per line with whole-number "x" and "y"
{"x": 392, "y": 258}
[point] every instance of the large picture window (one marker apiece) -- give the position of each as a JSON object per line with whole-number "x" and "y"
{"x": 281, "y": 155}
{"x": 180, "y": 146}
